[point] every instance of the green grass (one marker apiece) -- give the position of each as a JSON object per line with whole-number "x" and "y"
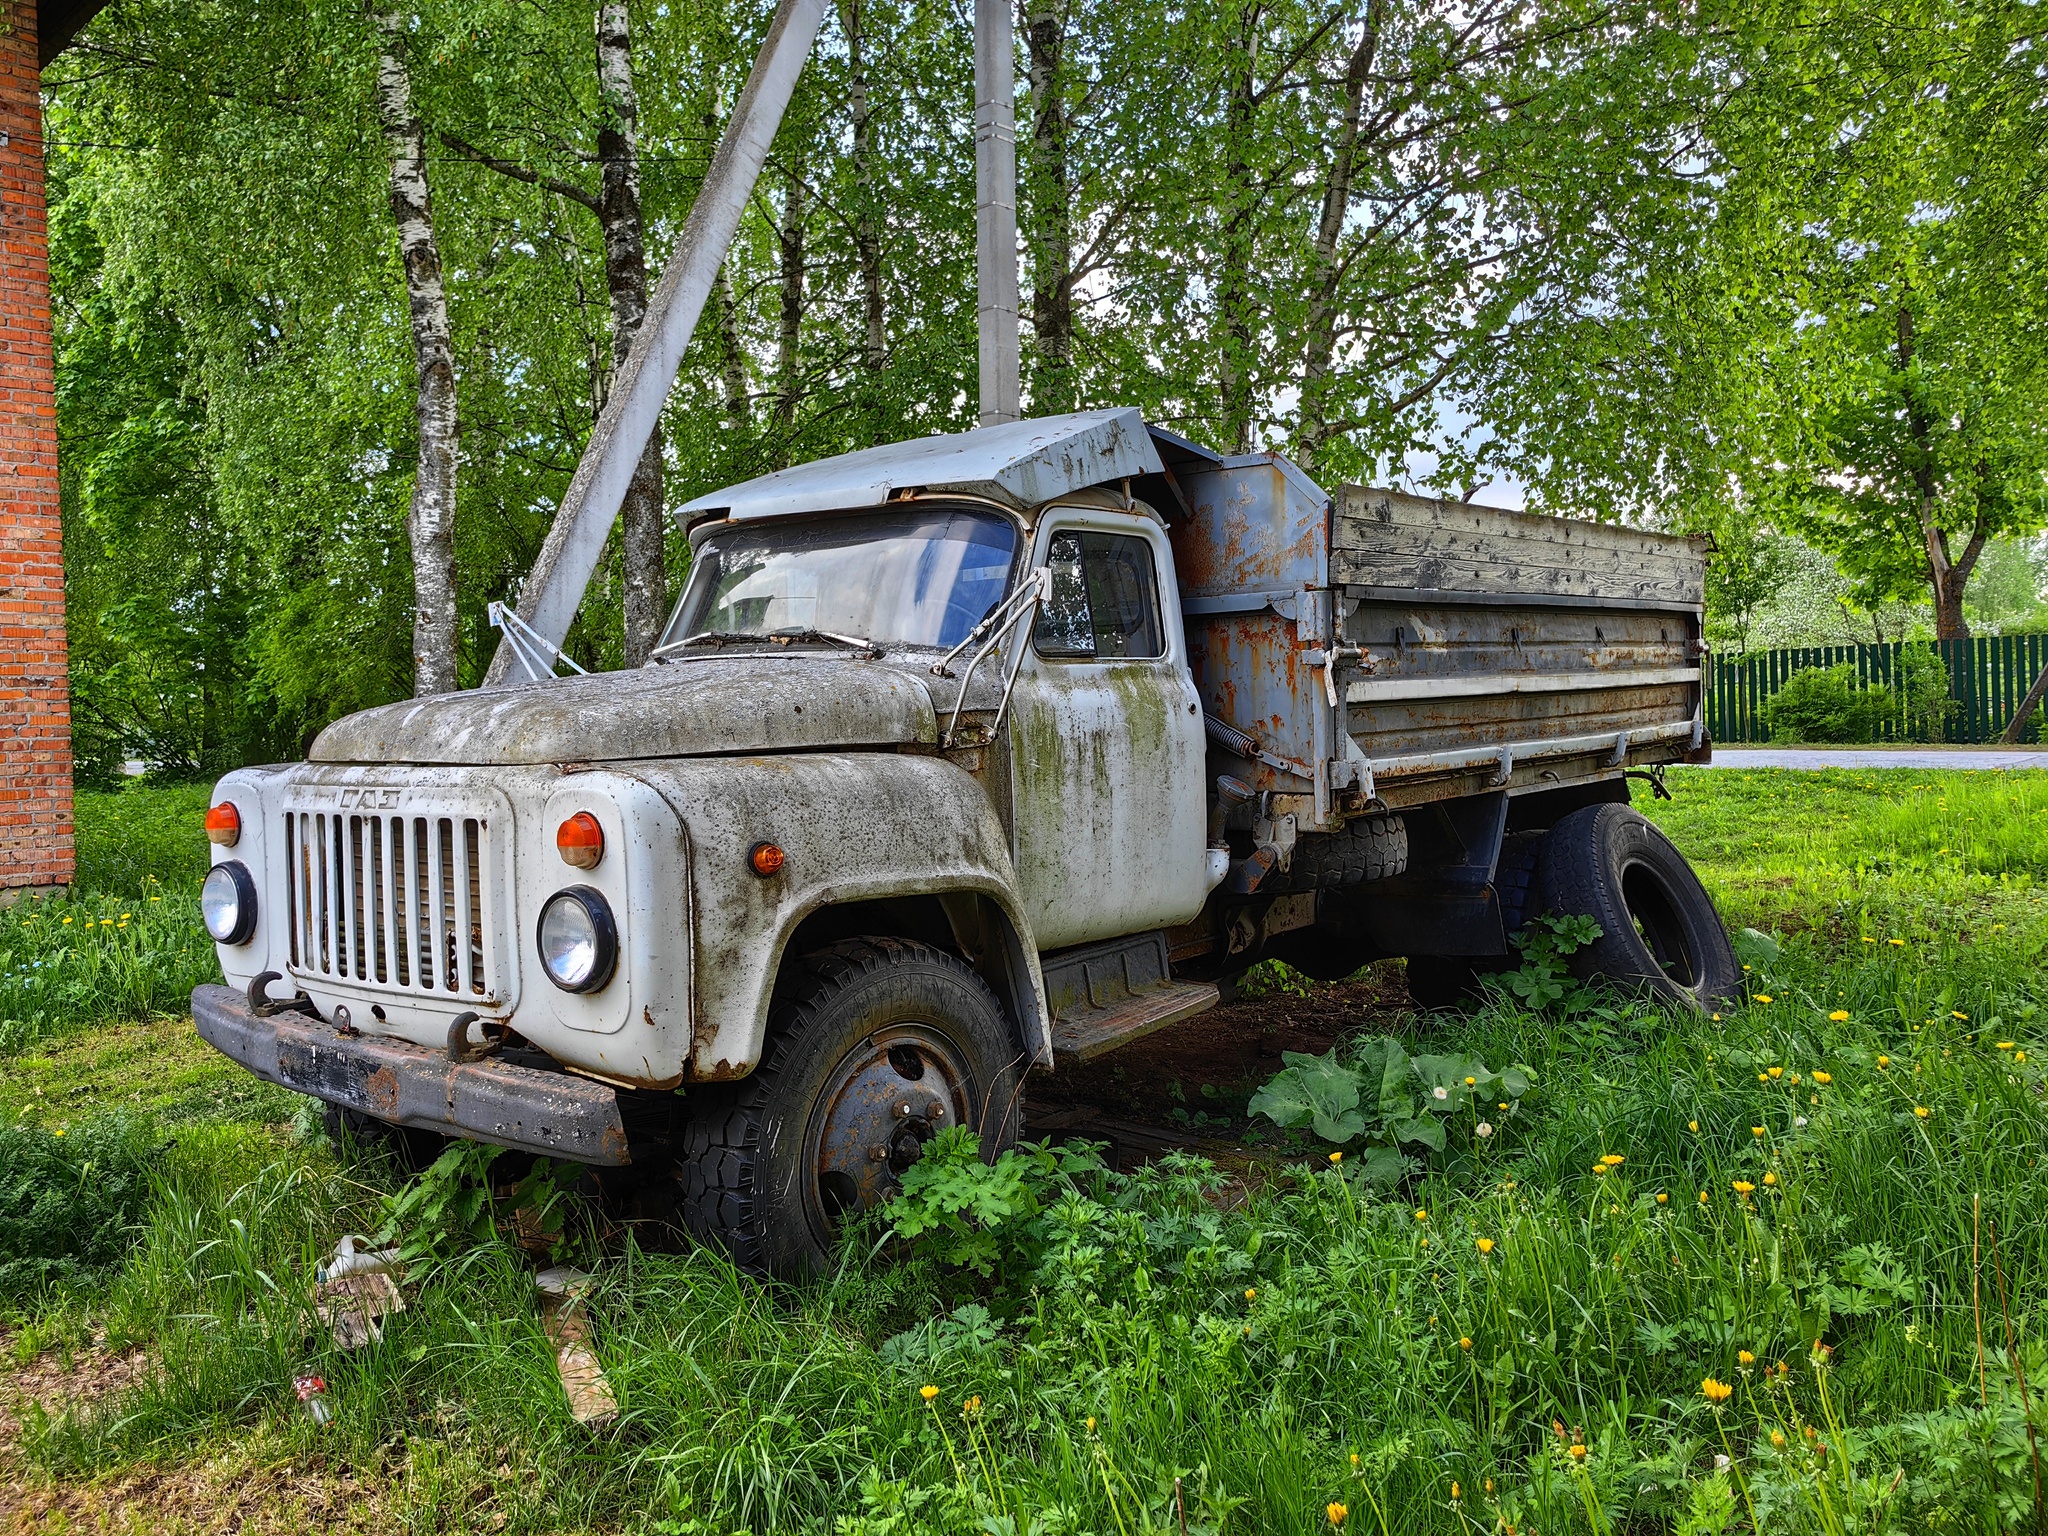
{"x": 126, "y": 943}
{"x": 1116, "y": 1349}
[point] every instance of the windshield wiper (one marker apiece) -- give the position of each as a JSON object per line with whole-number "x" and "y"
{"x": 851, "y": 642}
{"x": 784, "y": 637}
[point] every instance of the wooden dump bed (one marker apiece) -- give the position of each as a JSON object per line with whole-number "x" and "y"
{"x": 1375, "y": 646}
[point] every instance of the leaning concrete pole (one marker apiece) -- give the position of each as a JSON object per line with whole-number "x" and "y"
{"x": 575, "y": 543}
{"x": 995, "y": 199}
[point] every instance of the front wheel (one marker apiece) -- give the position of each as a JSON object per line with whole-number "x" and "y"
{"x": 881, "y": 1044}
{"x": 1659, "y": 931}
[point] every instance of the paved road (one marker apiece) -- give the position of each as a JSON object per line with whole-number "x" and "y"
{"x": 1881, "y": 757}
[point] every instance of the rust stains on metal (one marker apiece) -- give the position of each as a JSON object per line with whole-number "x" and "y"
{"x": 381, "y": 1088}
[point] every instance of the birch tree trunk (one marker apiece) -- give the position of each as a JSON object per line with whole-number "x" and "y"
{"x": 1319, "y": 352}
{"x": 431, "y": 525}
{"x": 1233, "y": 286}
{"x": 641, "y": 517}
{"x": 789, "y": 337}
{"x": 867, "y": 231}
{"x": 1051, "y": 212}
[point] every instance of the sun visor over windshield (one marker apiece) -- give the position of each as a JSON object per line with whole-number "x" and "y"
{"x": 1022, "y": 464}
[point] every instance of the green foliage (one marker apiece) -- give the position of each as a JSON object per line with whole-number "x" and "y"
{"x": 447, "y": 1208}
{"x": 1546, "y": 944}
{"x": 67, "y": 961}
{"x": 1380, "y": 1095}
{"x": 70, "y": 1202}
{"x": 1828, "y": 704}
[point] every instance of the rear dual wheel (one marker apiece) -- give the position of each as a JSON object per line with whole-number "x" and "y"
{"x": 879, "y": 1046}
{"x": 1659, "y": 932}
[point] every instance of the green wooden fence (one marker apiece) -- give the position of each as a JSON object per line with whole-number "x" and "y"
{"x": 1988, "y": 678}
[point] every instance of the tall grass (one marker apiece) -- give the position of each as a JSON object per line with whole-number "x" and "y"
{"x": 127, "y": 942}
{"x": 1254, "y": 1353}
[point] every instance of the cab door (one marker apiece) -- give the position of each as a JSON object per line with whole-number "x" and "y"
{"x": 1109, "y": 828}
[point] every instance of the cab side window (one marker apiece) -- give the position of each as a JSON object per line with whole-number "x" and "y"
{"x": 1105, "y": 599}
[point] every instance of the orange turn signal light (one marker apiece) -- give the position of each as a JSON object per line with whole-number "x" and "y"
{"x": 580, "y": 841}
{"x": 224, "y": 824}
{"x": 765, "y": 860}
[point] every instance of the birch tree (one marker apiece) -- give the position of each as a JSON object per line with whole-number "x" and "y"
{"x": 432, "y": 522}
{"x": 615, "y": 204}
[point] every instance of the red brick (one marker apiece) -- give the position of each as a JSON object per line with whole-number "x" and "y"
{"x": 35, "y": 713}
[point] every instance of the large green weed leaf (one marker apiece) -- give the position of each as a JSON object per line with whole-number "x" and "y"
{"x": 1313, "y": 1090}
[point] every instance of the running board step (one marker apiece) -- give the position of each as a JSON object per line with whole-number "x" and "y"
{"x": 1088, "y": 1033}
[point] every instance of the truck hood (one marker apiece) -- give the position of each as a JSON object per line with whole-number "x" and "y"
{"x": 699, "y": 707}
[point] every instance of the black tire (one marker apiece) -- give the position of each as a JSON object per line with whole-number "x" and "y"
{"x": 412, "y": 1149}
{"x": 1659, "y": 931}
{"x": 1454, "y": 981}
{"x": 770, "y": 1162}
{"x": 1369, "y": 848}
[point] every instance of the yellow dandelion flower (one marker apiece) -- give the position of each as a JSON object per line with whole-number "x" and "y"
{"x": 1823, "y": 1078}
{"x": 1778, "y": 1438}
{"x": 1869, "y": 941}
{"x": 1613, "y": 1159}
{"x": 1883, "y": 1062}
{"x": 1716, "y": 1391}
{"x": 1336, "y": 1157}
{"x": 1456, "y": 1493}
{"x": 1954, "y": 1014}
{"x": 1354, "y": 1458}
{"x": 1471, "y": 1082}
{"x": 1662, "y": 1198}
{"x": 1777, "y": 1071}
{"x": 1336, "y": 1512}
{"x": 67, "y": 922}
{"x": 1578, "y": 1453}
{"x": 1771, "y": 1179}
{"x": 1763, "y": 1077}
{"x": 1743, "y": 1187}
{"x": 2004, "y": 1045}
{"x": 927, "y": 1392}
{"x": 1693, "y": 1126}
{"x": 1464, "y": 1342}
{"x": 1896, "y": 943}
{"x": 1744, "y": 1357}
{"x": 1703, "y": 1197}
{"x": 1091, "y": 1423}
{"x": 1839, "y": 1016}
{"x": 1765, "y": 997}
{"x": 1251, "y": 1293}
{"x": 1485, "y": 1245}
{"x": 1425, "y": 1242}
{"x": 1422, "y": 1215}
{"x": 1756, "y": 1130}
{"x": 1921, "y": 1110}
{"x": 2019, "y": 1055}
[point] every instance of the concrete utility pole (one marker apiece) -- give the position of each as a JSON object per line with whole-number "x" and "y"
{"x": 575, "y": 542}
{"x": 995, "y": 210}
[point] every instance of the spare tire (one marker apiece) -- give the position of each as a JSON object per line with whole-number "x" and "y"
{"x": 1659, "y": 932}
{"x": 1366, "y": 848}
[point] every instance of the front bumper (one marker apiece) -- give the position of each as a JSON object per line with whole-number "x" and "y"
{"x": 551, "y": 1113}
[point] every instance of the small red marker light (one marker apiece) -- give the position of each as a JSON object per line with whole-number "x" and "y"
{"x": 765, "y": 860}
{"x": 580, "y": 841}
{"x": 224, "y": 824}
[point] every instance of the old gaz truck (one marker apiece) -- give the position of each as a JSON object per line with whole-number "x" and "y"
{"x": 962, "y": 759}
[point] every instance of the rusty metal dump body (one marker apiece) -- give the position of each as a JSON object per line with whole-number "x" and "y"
{"x": 1375, "y": 647}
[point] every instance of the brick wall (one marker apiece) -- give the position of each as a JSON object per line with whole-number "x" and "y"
{"x": 35, "y": 700}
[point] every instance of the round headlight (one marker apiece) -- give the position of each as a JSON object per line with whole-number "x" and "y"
{"x": 579, "y": 942}
{"x": 227, "y": 902}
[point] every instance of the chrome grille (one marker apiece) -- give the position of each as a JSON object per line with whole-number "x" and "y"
{"x": 403, "y": 902}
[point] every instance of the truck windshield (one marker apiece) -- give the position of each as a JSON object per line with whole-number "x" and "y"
{"x": 922, "y": 577}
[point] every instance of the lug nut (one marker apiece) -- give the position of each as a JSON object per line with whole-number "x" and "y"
{"x": 878, "y": 1154}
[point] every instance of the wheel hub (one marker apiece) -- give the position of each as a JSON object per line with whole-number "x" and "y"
{"x": 884, "y": 1100}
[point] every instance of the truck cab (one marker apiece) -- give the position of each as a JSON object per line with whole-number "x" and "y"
{"x": 959, "y": 759}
